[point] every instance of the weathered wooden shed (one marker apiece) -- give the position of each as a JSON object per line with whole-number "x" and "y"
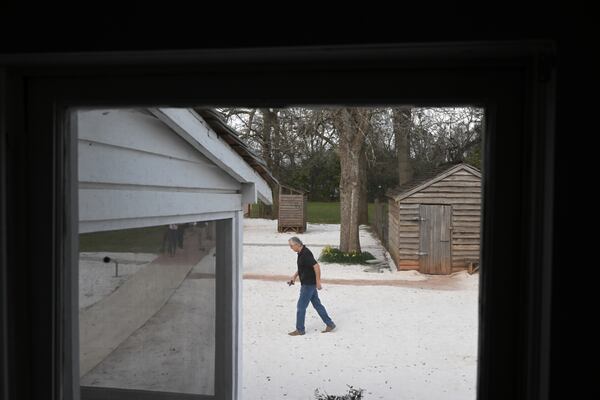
{"x": 292, "y": 209}
{"x": 435, "y": 220}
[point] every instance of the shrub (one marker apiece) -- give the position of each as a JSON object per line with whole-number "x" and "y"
{"x": 353, "y": 394}
{"x": 333, "y": 255}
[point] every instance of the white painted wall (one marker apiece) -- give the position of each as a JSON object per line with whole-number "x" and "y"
{"x": 136, "y": 171}
{"x": 190, "y": 126}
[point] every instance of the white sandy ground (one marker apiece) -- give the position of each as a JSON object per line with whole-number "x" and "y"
{"x": 395, "y": 342}
{"x": 281, "y": 260}
{"x": 263, "y": 231}
{"x": 97, "y": 279}
{"x": 266, "y": 251}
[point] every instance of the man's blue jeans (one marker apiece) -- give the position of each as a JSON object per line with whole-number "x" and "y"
{"x": 309, "y": 294}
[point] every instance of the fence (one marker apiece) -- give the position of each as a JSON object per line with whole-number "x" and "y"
{"x": 259, "y": 210}
{"x": 379, "y": 222}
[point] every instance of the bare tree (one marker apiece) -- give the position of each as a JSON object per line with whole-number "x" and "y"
{"x": 402, "y": 124}
{"x": 351, "y": 126}
{"x": 383, "y": 144}
{"x": 363, "y": 204}
{"x": 442, "y": 135}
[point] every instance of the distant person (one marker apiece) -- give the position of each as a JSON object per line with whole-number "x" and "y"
{"x": 202, "y": 227}
{"x": 180, "y": 232}
{"x": 172, "y": 239}
{"x": 210, "y": 226}
{"x": 310, "y": 279}
{"x": 165, "y": 240}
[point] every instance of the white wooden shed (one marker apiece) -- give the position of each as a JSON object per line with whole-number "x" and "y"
{"x": 160, "y": 166}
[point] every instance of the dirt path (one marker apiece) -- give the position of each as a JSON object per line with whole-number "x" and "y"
{"x": 306, "y": 244}
{"x": 432, "y": 283}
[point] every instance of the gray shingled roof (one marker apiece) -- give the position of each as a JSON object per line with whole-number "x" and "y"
{"x": 424, "y": 177}
{"x": 227, "y": 133}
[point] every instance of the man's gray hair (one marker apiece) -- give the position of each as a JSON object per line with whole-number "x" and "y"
{"x": 296, "y": 240}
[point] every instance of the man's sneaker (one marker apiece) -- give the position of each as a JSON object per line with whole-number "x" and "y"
{"x": 329, "y": 328}
{"x": 296, "y": 333}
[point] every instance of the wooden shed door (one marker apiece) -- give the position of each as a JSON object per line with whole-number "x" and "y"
{"x": 434, "y": 240}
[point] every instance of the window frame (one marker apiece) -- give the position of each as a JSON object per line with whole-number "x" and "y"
{"x": 514, "y": 82}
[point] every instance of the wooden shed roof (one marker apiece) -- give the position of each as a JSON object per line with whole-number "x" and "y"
{"x": 427, "y": 178}
{"x": 294, "y": 190}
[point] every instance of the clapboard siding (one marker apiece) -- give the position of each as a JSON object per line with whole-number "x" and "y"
{"x": 442, "y": 200}
{"x": 133, "y": 129}
{"x": 132, "y": 169}
{"x": 101, "y": 163}
{"x": 467, "y": 207}
{"x": 461, "y": 190}
{"x": 115, "y": 205}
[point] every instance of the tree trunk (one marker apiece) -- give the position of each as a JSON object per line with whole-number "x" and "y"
{"x": 267, "y": 130}
{"x": 271, "y": 152}
{"x": 402, "y": 121}
{"x": 350, "y": 124}
{"x": 276, "y": 146}
{"x": 349, "y": 201}
{"x": 363, "y": 213}
{"x": 275, "y": 208}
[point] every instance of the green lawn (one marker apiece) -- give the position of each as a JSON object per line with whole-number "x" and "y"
{"x": 320, "y": 212}
{"x": 139, "y": 240}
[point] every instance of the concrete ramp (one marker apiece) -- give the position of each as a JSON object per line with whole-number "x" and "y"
{"x": 106, "y": 324}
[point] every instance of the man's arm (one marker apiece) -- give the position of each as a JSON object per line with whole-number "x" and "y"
{"x": 317, "y": 268}
{"x": 293, "y": 279}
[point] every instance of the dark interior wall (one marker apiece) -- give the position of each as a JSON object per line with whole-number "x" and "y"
{"x": 115, "y": 29}
{"x": 103, "y": 27}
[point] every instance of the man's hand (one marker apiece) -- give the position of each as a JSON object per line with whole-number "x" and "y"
{"x": 292, "y": 279}
{"x": 319, "y": 287}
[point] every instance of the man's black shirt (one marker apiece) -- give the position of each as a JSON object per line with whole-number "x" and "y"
{"x": 306, "y": 262}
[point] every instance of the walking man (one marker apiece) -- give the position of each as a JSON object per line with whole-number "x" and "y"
{"x": 310, "y": 280}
